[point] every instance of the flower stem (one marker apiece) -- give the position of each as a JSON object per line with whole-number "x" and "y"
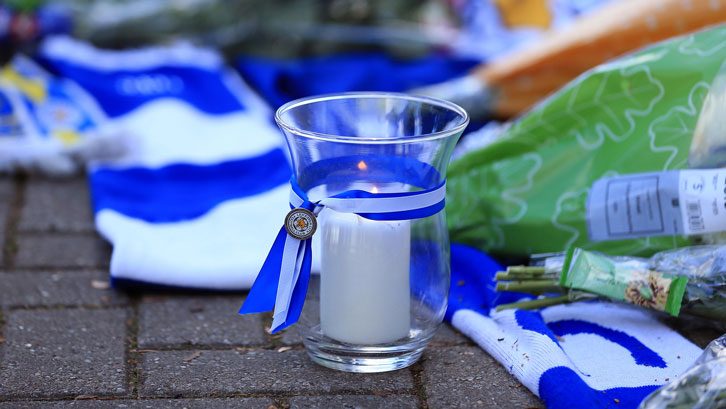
{"x": 526, "y": 270}
{"x": 536, "y": 304}
{"x": 507, "y": 276}
{"x": 530, "y": 286}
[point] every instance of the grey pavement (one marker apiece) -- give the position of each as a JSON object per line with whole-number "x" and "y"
{"x": 68, "y": 341}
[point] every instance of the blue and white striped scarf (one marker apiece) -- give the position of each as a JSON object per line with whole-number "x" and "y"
{"x": 198, "y": 200}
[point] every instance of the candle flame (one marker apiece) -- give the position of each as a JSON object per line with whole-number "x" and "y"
{"x": 375, "y": 189}
{"x": 362, "y": 165}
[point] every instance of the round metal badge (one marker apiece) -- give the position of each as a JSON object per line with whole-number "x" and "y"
{"x": 300, "y": 223}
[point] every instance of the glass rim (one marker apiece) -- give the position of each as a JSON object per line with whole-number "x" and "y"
{"x": 372, "y": 95}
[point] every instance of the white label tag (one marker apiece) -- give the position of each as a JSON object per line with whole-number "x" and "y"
{"x": 657, "y": 204}
{"x": 702, "y": 195}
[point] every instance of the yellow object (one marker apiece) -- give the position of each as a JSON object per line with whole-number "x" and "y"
{"x": 67, "y": 137}
{"x": 531, "y": 13}
{"x": 34, "y": 89}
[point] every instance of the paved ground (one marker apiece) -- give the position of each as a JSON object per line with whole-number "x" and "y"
{"x": 66, "y": 341}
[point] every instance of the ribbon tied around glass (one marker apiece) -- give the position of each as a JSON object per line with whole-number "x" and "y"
{"x": 283, "y": 279}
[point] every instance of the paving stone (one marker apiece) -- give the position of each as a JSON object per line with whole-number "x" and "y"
{"x": 56, "y": 205}
{"x": 211, "y": 321}
{"x": 353, "y": 402}
{"x": 289, "y": 336}
{"x": 6, "y": 188}
{"x": 466, "y": 377}
{"x": 446, "y": 334}
{"x": 190, "y": 373}
{"x": 32, "y": 289}
{"x": 231, "y": 403}
{"x": 702, "y": 336}
{"x": 55, "y": 353}
{"x": 62, "y": 250}
{"x": 696, "y": 330}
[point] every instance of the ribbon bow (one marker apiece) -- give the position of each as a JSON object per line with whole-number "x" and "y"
{"x": 283, "y": 280}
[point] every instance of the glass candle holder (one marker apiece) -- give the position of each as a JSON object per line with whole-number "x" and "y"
{"x": 382, "y": 287}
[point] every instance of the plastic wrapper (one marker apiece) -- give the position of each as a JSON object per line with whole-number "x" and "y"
{"x": 705, "y": 268}
{"x": 526, "y": 192}
{"x": 708, "y": 149}
{"x": 703, "y": 386}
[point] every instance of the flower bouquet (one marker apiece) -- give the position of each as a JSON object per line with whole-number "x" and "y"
{"x": 691, "y": 280}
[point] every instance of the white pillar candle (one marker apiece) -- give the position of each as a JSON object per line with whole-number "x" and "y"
{"x": 364, "y": 278}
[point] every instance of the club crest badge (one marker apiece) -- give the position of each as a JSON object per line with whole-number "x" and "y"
{"x": 300, "y": 223}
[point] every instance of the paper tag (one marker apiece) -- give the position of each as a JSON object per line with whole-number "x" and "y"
{"x": 703, "y": 200}
{"x": 657, "y": 204}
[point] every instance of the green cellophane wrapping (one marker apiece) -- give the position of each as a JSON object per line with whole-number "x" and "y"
{"x": 526, "y": 192}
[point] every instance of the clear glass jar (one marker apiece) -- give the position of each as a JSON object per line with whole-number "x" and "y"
{"x": 383, "y": 285}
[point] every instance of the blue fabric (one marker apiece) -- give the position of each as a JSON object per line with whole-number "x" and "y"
{"x": 532, "y": 321}
{"x": 119, "y": 92}
{"x": 402, "y": 215}
{"x": 562, "y": 388}
{"x": 262, "y": 294}
{"x": 281, "y": 81}
{"x": 406, "y": 215}
{"x": 472, "y": 282}
{"x": 184, "y": 191}
{"x": 381, "y": 168}
{"x": 301, "y": 287}
{"x": 426, "y": 258}
{"x": 8, "y": 128}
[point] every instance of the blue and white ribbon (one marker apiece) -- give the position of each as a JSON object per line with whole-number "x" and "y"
{"x": 283, "y": 279}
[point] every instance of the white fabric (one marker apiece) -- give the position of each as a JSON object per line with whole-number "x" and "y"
{"x": 168, "y": 130}
{"x": 528, "y": 354}
{"x": 218, "y": 250}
